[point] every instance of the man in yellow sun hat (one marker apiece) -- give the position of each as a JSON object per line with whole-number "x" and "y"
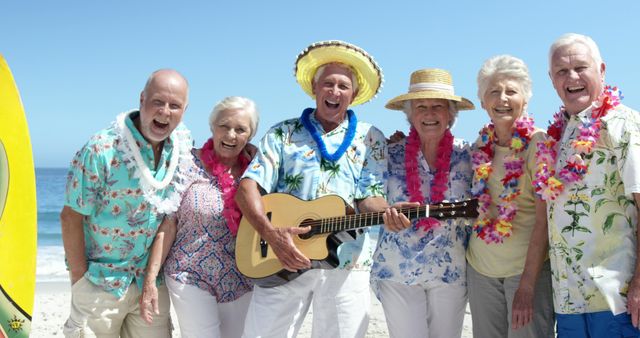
{"x": 325, "y": 151}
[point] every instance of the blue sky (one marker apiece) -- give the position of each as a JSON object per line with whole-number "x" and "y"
{"x": 79, "y": 63}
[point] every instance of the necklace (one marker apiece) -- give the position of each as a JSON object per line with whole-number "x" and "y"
{"x": 547, "y": 184}
{"x": 228, "y": 186}
{"x": 496, "y": 230}
{"x": 346, "y": 142}
{"x": 155, "y": 192}
{"x": 440, "y": 181}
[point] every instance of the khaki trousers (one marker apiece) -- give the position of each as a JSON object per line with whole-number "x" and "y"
{"x": 97, "y": 313}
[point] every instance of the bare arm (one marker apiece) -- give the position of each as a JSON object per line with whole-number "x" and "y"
{"x": 633, "y": 296}
{"x": 522, "y": 307}
{"x": 73, "y": 240}
{"x": 393, "y": 220}
{"x": 280, "y": 239}
{"x": 159, "y": 252}
{"x": 160, "y": 248}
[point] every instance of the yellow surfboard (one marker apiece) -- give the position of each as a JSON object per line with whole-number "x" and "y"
{"x": 18, "y": 212}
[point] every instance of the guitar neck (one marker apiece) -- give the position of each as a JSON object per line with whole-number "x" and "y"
{"x": 356, "y": 221}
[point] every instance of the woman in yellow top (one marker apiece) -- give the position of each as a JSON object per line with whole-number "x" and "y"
{"x": 508, "y": 275}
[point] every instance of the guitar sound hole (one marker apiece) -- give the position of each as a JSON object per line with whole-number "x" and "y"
{"x": 307, "y": 222}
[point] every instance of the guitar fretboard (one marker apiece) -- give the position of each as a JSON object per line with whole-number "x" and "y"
{"x": 356, "y": 221}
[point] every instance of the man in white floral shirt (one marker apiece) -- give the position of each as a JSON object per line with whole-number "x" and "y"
{"x": 119, "y": 186}
{"x": 592, "y": 193}
{"x": 325, "y": 151}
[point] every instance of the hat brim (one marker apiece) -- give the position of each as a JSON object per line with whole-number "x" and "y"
{"x": 368, "y": 73}
{"x": 397, "y": 103}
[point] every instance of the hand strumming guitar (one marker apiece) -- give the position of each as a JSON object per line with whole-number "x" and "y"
{"x": 279, "y": 239}
{"x": 281, "y": 242}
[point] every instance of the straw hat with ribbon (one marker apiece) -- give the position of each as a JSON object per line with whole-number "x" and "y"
{"x": 366, "y": 70}
{"x": 430, "y": 84}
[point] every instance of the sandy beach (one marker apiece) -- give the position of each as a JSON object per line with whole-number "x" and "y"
{"x": 52, "y": 299}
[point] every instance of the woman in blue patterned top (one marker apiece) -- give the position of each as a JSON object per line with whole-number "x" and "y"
{"x": 419, "y": 272}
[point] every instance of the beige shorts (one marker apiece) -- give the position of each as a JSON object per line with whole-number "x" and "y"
{"x": 97, "y": 313}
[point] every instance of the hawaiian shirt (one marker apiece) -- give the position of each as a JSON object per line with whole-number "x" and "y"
{"x": 289, "y": 161}
{"x": 119, "y": 224}
{"x": 414, "y": 256}
{"x": 203, "y": 253}
{"x": 592, "y": 224}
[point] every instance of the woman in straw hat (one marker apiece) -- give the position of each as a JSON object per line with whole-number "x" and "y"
{"x": 324, "y": 151}
{"x": 419, "y": 272}
{"x": 509, "y": 278}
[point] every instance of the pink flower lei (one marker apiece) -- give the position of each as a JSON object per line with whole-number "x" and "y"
{"x": 548, "y": 186}
{"x": 496, "y": 230}
{"x": 228, "y": 186}
{"x": 440, "y": 181}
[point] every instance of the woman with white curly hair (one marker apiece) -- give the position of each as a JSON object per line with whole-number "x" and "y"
{"x": 209, "y": 294}
{"x": 508, "y": 273}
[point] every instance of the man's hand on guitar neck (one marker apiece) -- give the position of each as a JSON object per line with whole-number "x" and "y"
{"x": 281, "y": 242}
{"x": 396, "y": 221}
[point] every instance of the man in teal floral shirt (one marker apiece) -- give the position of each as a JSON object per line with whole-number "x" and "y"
{"x": 593, "y": 220}
{"x": 326, "y": 151}
{"x": 118, "y": 188}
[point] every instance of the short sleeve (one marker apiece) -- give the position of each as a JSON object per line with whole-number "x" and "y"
{"x": 625, "y": 137}
{"x": 373, "y": 176}
{"x": 265, "y": 165}
{"x": 84, "y": 180}
{"x": 538, "y": 137}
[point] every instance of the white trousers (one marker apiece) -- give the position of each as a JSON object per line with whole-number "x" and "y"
{"x": 341, "y": 301}
{"x": 413, "y": 311}
{"x": 200, "y": 315}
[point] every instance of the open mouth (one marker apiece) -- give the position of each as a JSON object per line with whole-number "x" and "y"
{"x": 227, "y": 145}
{"x": 502, "y": 110}
{"x": 160, "y": 125}
{"x": 332, "y": 105}
{"x": 575, "y": 89}
{"x": 430, "y": 123}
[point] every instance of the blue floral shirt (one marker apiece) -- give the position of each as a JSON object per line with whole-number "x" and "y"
{"x": 289, "y": 161}
{"x": 414, "y": 256}
{"x": 119, "y": 223}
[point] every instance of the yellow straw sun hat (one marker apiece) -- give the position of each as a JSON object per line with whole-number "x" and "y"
{"x": 366, "y": 70}
{"x": 430, "y": 84}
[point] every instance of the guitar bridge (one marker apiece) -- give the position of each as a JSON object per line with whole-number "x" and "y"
{"x": 263, "y": 248}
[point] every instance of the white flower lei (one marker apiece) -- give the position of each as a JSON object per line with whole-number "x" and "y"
{"x": 178, "y": 165}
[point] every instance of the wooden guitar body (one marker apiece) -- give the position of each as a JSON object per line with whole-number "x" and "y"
{"x": 326, "y": 217}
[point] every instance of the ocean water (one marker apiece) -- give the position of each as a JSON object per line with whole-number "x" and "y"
{"x": 50, "y": 186}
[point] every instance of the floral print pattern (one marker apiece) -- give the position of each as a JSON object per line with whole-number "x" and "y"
{"x": 119, "y": 224}
{"x": 289, "y": 161}
{"x": 592, "y": 224}
{"x": 414, "y": 256}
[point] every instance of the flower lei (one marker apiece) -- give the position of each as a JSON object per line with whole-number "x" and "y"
{"x": 496, "y": 230}
{"x": 548, "y": 186}
{"x": 439, "y": 184}
{"x": 346, "y": 142}
{"x": 228, "y": 186}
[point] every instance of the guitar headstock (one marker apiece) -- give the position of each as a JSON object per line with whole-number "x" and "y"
{"x": 465, "y": 208}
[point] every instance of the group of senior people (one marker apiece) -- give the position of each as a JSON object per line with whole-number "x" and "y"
{"x": 556, "y": 226}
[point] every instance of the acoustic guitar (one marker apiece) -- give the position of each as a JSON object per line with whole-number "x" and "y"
{"x": 326, "y": 216}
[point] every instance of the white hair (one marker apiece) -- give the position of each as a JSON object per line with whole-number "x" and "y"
{"x": 573, "y": 38}
{"x": 453, "y": 111}
{"x": 354, "y": 77}
{"x": 506, "y": 66}
{"x": 233, "y": 103}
